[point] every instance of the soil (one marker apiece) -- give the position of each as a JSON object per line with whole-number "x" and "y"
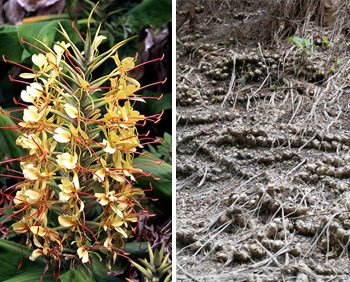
{"x": 263, "y": 138}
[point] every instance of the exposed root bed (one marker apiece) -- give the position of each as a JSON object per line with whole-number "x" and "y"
{"x": 263, "y": 160}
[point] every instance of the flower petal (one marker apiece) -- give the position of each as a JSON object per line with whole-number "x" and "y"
{"x": 108, "y": 149}
{"x": 35, "y": 254}
{"x": 66, "y": 220}
{"x": 62, "y": 135}
{"x": 83, "y": 254}
{"x": 31, "y": 114}
{"x": 71, "y": 111}
{"x": 38, "y": 230}
{"x": 67, "y": 160}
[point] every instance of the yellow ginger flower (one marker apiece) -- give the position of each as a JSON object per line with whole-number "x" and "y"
{"x": 28, "y": 196}
{"x": 33, "y": 91}
{"x": 62, "y": 136}
{"x": 67, "y": 220}
{"x": 67, "y": 160}
{"x": 100, "y": 174}
{"x": 104, "y": 199}
{"x": 20, "y": 227}
{"x": 35, "y": 254}
{"x": 32, "y": 114}
{"x": 29, "y": 141}
{"x": 108, "y": 242}
{"x": 32, "y": 197}
{"x": 81, "y": 135}
{"x": 117, "y": 223}
{"x": 40, "y": 61}
{"x": 71, "y": 111}
{"x": 59, "y": 48}
{"x": 67, "y": 188}
{"x": 30, "y": 172}
{"x": 125, "y": 140}
{"x": 38, "y": 230}
{"x": 83, "y": 254}
{"x": 125, "y": 64}
{"x": 19, "y": 198}
{"x": 32, "y": 216}
{"x": 107, "y": 148}
{"x": 128, "y": 115}
{"x": 126, "y": 90}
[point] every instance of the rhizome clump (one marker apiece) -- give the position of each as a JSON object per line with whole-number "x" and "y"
{"x": 263, "y": 138}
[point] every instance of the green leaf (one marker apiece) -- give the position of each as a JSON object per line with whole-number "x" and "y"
{"x": 25, "y": 55}
{"x": 44, "y": 31}
{"x": 98, "y": 268}
{"x": 10, "y": 46}
{"x": 100, "y": 271}
{"x": 304, "y": 44}
{"x": 154, "y": 106}
{"x": 13, "y": 255}
{"x": 165, "y": 149}
{"x": 8, "y": 138}
{"x": 161, "y": 185}
{"x": 154, "y": 151}
{"x": 26, "y": 277}
{"x": 76, "y": 275}
{"x": 12, "y": 247}
{"x": 150, "y": 12}
{"x": 138, "y": 249}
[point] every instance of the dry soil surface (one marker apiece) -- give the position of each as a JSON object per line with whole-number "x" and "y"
{"x": 263, "y": 161}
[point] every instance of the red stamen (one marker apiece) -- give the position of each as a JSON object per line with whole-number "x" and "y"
{"x": 18, "y": 81}
{"x": 66, "y": 83}
{"x": 152, "y": 84}
{"x": 155, "y": 118}
{"x": 150, "y": 142}
{"x": 12, "y": 170}
{"x": 145, "y": 134}
{"x": 15, "y": 129}
{"x": 14, "y": 111}
{"x": 88, "y": 147}
{"x": 74, "y": 27}
{"x": 148, "y": 62}
{"x": 154, "y": 160}
{"x": 136, "y": 98}
{"x": 32, "y": 45}
{"x": 20, "y": 263}
{"x": 100, "y": 88}
{"x": 14, "y": 214}
{"x": 12, "y": 176}
{"x": 19, "y": 103}
{"x": 92, "y": 233}
{"x": 72, "y": 64}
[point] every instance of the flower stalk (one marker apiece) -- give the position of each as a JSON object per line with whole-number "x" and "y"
{"x": 78, "y": 180}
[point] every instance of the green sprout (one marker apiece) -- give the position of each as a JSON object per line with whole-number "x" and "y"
{"x": 157, "y": 268}
{"x": 305, "y": 45}
{"x": 326, "y": 42}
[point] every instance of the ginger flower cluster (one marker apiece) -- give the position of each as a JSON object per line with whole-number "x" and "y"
{"x": 77, "y": 193}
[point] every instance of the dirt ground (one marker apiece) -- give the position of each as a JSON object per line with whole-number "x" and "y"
{"x": 263, "y": 138}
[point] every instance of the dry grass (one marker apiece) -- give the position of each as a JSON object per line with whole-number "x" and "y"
{"x": 267, "y": 21}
